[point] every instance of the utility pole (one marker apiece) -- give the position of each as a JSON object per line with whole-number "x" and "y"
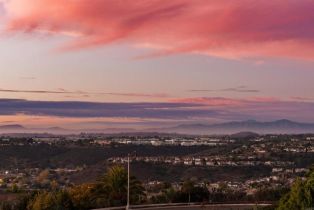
{"x": 128, "y": 196}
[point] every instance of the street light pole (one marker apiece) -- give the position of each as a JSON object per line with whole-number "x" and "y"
{"x": 128, "y": 196}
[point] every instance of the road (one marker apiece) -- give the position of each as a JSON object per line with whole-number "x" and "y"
{"x": 194, "y": 207}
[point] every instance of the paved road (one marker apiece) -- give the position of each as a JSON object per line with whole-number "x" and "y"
{"x": 208, "y": 207}
{"x": 195, "y": 207}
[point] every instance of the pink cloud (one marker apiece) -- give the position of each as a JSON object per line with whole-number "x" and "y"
{"x": 223, "y": 28}
{"x": 298, "y": 98}
{"x": 261, "y": 108}
{"x": 214, "y": 101}
{"x": 79, "y": 93}
{"x": 221, "y": 101}
{"x": 264, "y": 99}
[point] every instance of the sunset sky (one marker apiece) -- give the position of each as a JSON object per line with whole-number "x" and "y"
{"x": 146, "y": 63}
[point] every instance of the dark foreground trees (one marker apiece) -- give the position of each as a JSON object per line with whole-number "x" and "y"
{"x": 109, "y": 190}
{"x": 58, "y": 200}
{"x": 301, "y": 195}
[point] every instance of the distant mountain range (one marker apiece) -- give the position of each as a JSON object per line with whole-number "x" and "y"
{"x": 12, "y": 127}
{"x": 21, "y": 129}
{"x": 18, "y": 129}
{"x": 273, "y": 127}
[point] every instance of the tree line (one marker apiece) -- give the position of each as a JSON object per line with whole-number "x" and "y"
{"x": 111, "y": 190}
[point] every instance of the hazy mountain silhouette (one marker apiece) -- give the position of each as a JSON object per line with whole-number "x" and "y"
{"x": 275, "y": 127}
{"x": 250, "y": 126}
{"x": 12, "y": 127}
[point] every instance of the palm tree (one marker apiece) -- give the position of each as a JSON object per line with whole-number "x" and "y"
{"x": 113, "y": 186}
{"x": 187, "y": 187}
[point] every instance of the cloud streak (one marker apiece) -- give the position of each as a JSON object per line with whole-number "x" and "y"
{"x": 223, "y": 28}
{"x": 85, "y": 93}
{"x": 239, "y": 89}
{"x": 93, "y": 109}
{"x": 188, "y": 109}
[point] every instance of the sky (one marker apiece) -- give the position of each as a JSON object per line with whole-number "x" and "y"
{"x": 147, "y": 63}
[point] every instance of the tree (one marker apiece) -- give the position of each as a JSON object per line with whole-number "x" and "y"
{"x": 24, "y": 200}
{"x": 187, "y": 187}
{"x": 58, "y": 200}
{"x": 113, "y": 187}
{"x": 43, "y": 178}
{"x": 190, "y": 193}
{"x": 301, "y": 195}
{"x": 167, "y": 196}
{"x": 109, "y": 190}
{"x": 5, "y": 206}
{"x": 82, "y": 196}
{"x": 269, "y": 194}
